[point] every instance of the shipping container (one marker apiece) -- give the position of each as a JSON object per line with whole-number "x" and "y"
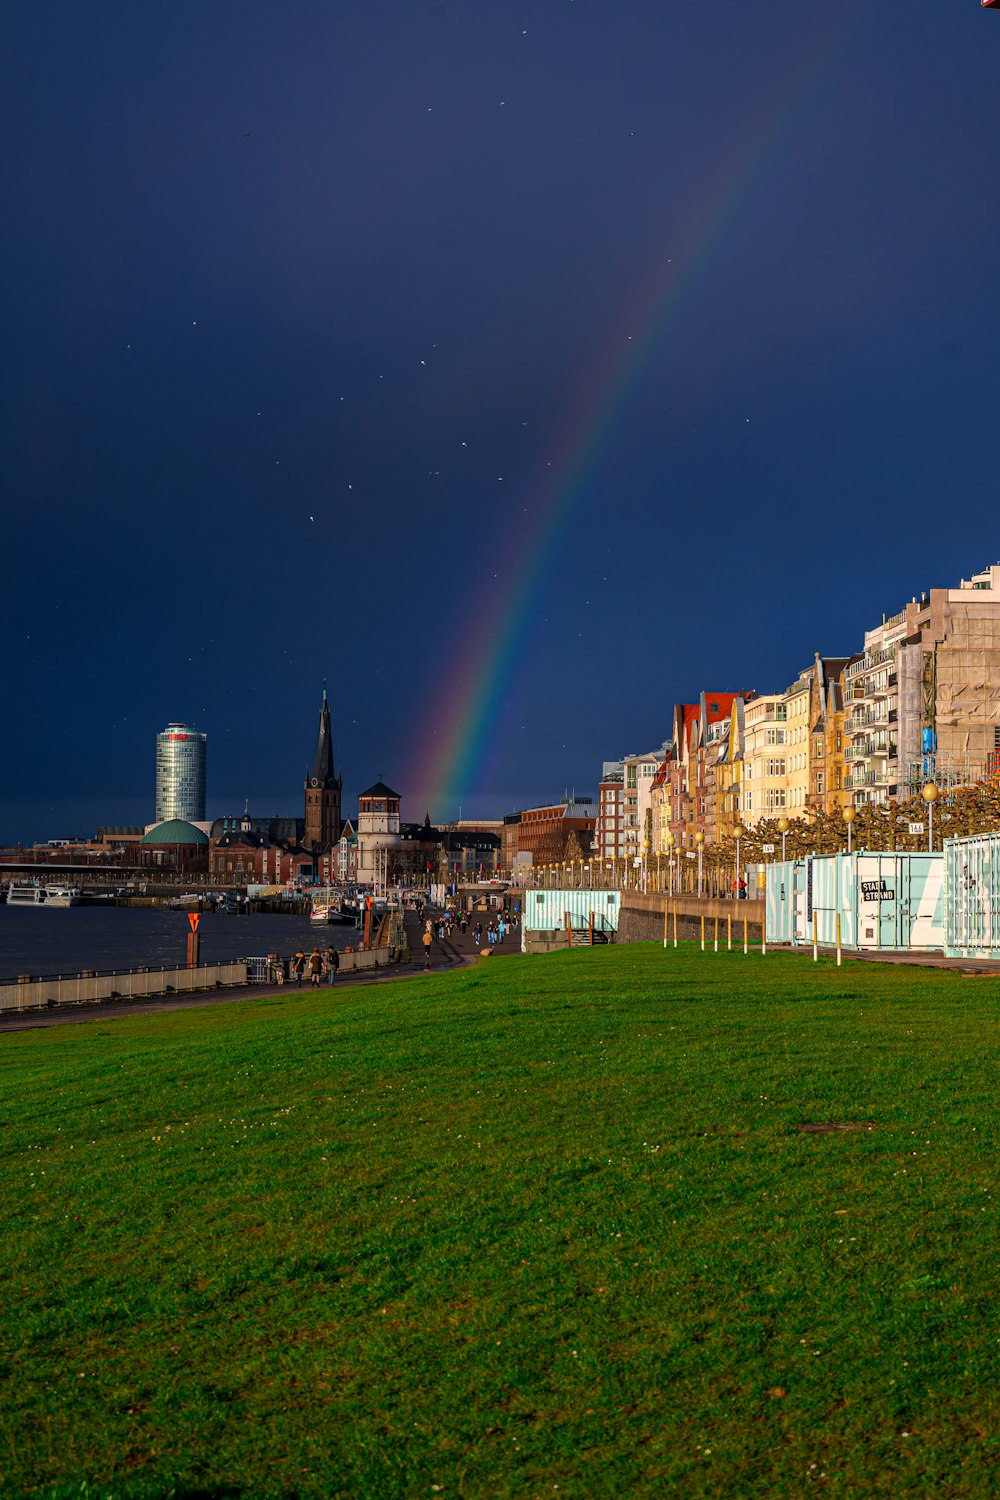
{"x": 785, "y": 890}
{"x": 888, "y": 902}
{"x": 973, "y": 881}
{"x": 546, "y": 911}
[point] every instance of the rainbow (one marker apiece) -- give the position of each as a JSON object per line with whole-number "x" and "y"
{"x": 461, "y": 726}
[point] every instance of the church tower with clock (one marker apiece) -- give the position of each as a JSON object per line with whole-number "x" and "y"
{"x": 322, "y": 790}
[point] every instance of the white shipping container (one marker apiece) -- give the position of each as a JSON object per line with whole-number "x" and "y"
{"x": 973, "y": 884}
{"x": 886, "y": 902}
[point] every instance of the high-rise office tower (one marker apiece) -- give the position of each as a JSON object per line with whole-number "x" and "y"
{"x": 180, "y": 774}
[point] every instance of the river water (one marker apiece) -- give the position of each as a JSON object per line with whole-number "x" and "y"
{"x": 64, "y": 940}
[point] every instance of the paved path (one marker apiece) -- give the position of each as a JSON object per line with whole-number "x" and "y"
{"x": 452, "y": 953}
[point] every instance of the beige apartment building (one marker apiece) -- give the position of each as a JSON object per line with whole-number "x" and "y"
{"x": 765, "y": 759}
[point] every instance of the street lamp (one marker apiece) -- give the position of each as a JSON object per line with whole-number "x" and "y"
{"x": 849, "y": 814}
{"x": 738, "y": 831}
{"x": 699, "y": 840}
{"x": 669, "y": 841}
{"x": 783, "y": 830}
{"x": 930, "y": 795}
{"x": 645, "y": 861}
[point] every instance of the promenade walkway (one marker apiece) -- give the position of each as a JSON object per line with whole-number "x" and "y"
{"x": 452, "y": 953}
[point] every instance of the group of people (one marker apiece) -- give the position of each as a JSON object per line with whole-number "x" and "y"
{"x": 497, "y": 929}
{"x": 451, "y": 922}
{"x": 318, "y": 966}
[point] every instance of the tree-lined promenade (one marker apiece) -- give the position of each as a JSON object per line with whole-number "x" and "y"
{"x": 921, "y": 822}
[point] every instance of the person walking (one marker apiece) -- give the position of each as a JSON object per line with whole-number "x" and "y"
{"x": 299, "y": 966}
{"x": 477, "y": 933}
{"x": 315, "y": 968}
{"x": 332, "y": 963}
{"x": 427, "y": 940}
{"x": 501, "y": 930}
{"x": 463, "y": 922}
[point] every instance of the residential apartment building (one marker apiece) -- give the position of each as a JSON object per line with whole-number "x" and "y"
{"x": 948, "y": 700}
{"x": 765, "y": 759}
{"x": 871, "y": 711}
{"x": 699, "y": 746}
{"x": 639, "y": 771}
{"x": 609, "y": 835}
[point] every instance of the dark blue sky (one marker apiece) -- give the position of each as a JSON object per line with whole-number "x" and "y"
{"x": 264, "y": 263}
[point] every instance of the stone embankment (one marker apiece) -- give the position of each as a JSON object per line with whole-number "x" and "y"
{"x": 642, "y": 917}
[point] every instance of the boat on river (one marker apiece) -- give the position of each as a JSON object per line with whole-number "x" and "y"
{"x": 29, "y": 894}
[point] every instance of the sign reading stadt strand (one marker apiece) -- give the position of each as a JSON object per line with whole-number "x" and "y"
{"x": 194, "y": 917}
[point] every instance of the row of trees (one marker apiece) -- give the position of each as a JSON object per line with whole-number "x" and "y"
{"x": 880, "y": 827}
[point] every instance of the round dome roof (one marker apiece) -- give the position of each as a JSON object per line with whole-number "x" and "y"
{"x": 176, "y": 831}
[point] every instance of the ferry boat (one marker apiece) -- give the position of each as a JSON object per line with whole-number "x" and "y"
{"x": 43, "y": 895}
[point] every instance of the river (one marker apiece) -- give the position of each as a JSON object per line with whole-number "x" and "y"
{"x": 63, "y": 940}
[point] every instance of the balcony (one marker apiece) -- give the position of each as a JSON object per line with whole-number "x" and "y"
{"x": 870, "y": 660}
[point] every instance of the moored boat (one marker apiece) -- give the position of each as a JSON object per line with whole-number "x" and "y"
{"x": 30, "y": 894}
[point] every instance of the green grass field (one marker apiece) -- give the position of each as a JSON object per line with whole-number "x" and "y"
{"x": 545, "y": 1226}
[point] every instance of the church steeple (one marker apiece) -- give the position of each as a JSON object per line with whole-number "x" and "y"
{"x": 322, "y": 770}
{"x": 323, "y": 788}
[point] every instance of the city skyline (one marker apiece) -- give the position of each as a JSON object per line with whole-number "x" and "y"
{"x": 519, "y": 374}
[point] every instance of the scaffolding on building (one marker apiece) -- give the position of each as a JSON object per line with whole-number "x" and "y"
{"x": 947, "y": 772}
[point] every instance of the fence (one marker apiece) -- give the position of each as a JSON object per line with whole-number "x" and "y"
{"x": 32, "y": 993}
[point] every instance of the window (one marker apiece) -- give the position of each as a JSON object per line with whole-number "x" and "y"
{"x": 819, "y": 784}
{"x": 713, "y": 708}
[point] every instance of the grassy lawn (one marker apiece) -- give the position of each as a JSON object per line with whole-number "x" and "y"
{"x": 546, "y": 1226}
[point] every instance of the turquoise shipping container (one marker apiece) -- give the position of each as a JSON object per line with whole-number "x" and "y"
{"x": 547, "y": 911}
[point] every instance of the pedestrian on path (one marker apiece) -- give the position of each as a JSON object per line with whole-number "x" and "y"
{"x": 501, "y": 929}
{"x": 315, "y": 967}
{"x": 332, "y": 963}
{"x": 298, "y": 966}
{"x": 477, "y": 933}
{"x": 427, "y": 940}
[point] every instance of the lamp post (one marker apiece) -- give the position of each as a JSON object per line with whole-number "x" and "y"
{"x": 669, "y": 841}
{"x": 930, "y": 795}
{"x": 699, "y": 840}
{"x": 783, "y": 830}
{"x": 849, "y": 814}
{"x": 645, "y": 865}
{"x": 738, "y": 831}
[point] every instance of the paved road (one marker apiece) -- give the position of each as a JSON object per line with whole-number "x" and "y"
{"x": 453, "y": 952}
